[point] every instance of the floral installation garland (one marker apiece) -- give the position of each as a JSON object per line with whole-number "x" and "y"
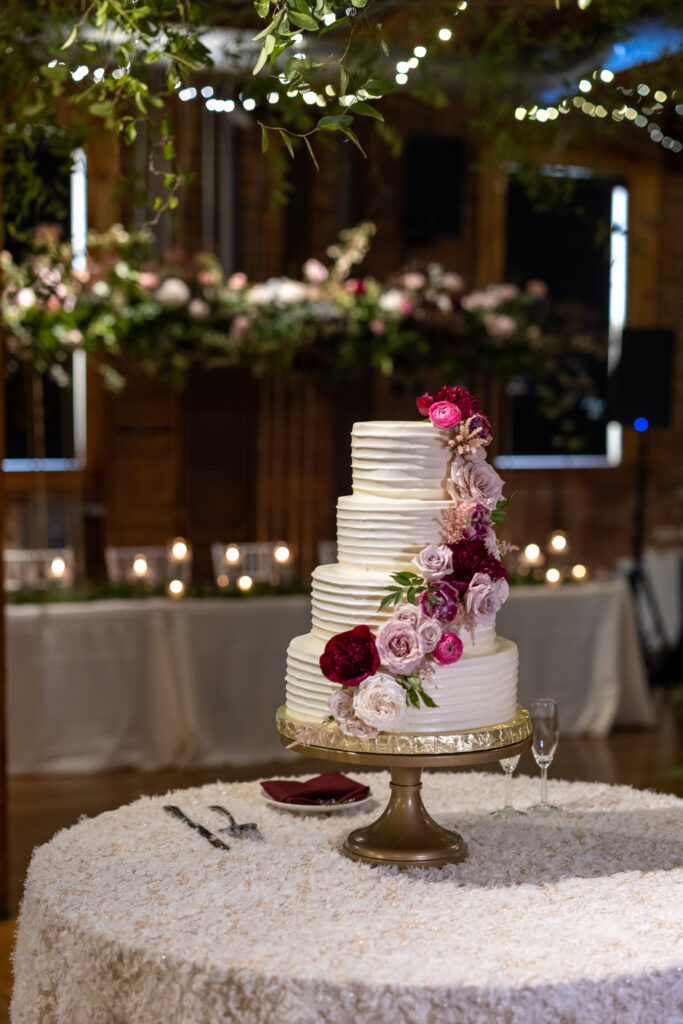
{"x": 457, "y": 585}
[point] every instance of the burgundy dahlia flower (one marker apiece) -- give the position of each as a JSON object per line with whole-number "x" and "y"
{"x": 470, "y": 557}
{"x": 350, "y": 657}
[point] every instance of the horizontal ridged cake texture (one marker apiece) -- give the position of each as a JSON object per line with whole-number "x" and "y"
{"x": 396, "y": 510}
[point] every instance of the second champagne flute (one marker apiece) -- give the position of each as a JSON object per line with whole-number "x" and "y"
{"x": 546, "y": 736}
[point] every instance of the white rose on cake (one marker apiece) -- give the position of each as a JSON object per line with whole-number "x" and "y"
{"x": 477, "y": 480}
{"x": 485, "y": 596}
{"x": 380, "y": 702}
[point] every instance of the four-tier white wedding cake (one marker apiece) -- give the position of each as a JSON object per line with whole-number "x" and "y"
{"x": 403, "y": 626}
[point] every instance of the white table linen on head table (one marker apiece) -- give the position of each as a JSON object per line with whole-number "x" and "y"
{"x": 157, "y": 682}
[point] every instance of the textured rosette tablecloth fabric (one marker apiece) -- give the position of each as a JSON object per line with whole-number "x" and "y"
{"x": 132, "y": 918}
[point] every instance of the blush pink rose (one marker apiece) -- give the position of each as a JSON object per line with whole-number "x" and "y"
{"x": 449, "y": 649}
{"x": 485, "y": 596}
{"x": 434, "y": 562}
{"x": 341, "y": 704}
{"x": 444, "y": 415}
{"x": 399, "y": 646}
{"x": 477, "y": 480}
{"x": 380, "y": 702}
{"x": 408, "y": 613}
{"x": 355, "y": 726}
{"x": 429, "y": 632}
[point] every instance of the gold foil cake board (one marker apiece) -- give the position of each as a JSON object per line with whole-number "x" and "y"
{"x": 329, "y": 736}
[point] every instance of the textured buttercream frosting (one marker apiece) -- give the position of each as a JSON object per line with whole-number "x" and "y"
{"x": 396, "y": 510}
{"x": 399, "y": 460}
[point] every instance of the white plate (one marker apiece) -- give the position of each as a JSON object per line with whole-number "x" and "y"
{"x": 315, "y": 808}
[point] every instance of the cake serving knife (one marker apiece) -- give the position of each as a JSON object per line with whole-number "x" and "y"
{"x": 209, "y": 836}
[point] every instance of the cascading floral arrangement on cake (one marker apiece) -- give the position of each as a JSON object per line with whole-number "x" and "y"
{"x": 417, "y": 587}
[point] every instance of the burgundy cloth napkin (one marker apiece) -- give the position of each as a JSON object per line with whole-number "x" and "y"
{"x": 330, "y": 786}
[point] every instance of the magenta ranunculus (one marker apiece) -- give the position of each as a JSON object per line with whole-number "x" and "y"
{"x": 444, "y": 415}
{"x": 350, "y": 657}
{"x": 423, "y": 404}
{"x": 399, "y": 646}
{"x": 449, "y": 649}
{"x": 444, "y": 605}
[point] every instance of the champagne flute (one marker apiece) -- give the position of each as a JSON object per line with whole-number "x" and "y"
{"x": 508, "y": 764}
{"x": 545, "y": 739}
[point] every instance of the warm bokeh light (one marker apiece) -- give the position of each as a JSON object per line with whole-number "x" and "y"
{"x": 232, "y": 554}
{"x": 58, "y": 566}
{"x": 553, "y": 576}
{"x": 558, "y": 541}
{"x": 445, "y": 34}
{"x": 281, "y": 553}
{"x": 140, "y": 565}
{"x": 245, "y": 583}
{"x": 222, "y": 580}
{"x": 532, "y": 552}
{"x": 579, "y": 572}
{"x": 179, "y": 549}
{"x": 176, "y": 588}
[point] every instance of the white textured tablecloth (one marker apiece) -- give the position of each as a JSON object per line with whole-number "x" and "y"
{"x": 145, "y": 684}
{"x": 131, "y": 918}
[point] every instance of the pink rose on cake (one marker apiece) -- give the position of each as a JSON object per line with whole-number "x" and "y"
{"x": 434, "y": 562}
{"x": 429, "y": 632}
{"x": 449, "y": 649}
{"x": 477, "y": 480}
{"x": 380, "y": 702}
{"x": 399, "y": 646}
{"x": 350, "y": 657}
{"x": 484, "y": 597}
{"x": 407, "y": 613}
{"x": 341, "y": 708}
{"x": 444, "y": 415}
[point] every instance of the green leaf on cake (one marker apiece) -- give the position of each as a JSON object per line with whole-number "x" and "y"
{"x": 428, "y": 700}
{"x": 413, "y": 698}
{"x": 501, "y": 509}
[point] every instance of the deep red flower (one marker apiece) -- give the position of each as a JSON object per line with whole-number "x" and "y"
{"x": 466, "y": 403}
{"x": 470, "y": 557}
{"x": 350, "y": 657}
{"x": 424, "y": 403}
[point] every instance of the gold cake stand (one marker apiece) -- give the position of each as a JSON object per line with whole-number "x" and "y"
{"x": 405, "y": 835}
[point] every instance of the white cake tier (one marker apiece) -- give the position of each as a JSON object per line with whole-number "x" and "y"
{"x": 345, "y": 596}
{"x": 478, "y": 690}
{"x": 399, "y": 460}
{"x": 377, "y": 531}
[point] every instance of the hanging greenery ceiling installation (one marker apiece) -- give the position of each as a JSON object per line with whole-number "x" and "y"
{"x": 305, "y": 67}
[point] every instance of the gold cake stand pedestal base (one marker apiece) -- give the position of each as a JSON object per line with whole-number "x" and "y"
{"x": 405, "y": 835}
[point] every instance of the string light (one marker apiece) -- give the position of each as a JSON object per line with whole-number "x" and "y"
{"x": 520, "y": 113}
{"x": 579, "y": 572}
{"x": 57, "y": 567}
{"x": 420, "y": 51}
{"x": 245, "y": 583}
{"x": 585, "y": 85}
{"x": 176, "y": 588}
{"x": 553, "y": 576}
{"x": 558, "y": 540}
{"x": 281, "y": 553}
{"x": 232, "y": 554}
{"x": 445, "y": 34}
{"x": 401, "y": 79}
{"x": 140, "y": 565}
{"x": 532, "y": 553}
{"x": 222, "y": 580}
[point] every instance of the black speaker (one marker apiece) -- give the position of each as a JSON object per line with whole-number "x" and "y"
{"x": 641, "y": 384}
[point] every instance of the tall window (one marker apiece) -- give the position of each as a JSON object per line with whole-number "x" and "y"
{"x": 45, "y": 423}
{"x": 580, "y": 251}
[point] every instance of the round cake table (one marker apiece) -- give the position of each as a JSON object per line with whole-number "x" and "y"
{"x": 132, "y": 918}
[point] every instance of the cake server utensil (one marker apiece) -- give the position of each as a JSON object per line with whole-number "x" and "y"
{"x": 209, "y": 836}
{"x": 233, "y": 829}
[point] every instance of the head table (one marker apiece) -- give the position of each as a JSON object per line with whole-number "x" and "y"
{"x": 132, "y": 917}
